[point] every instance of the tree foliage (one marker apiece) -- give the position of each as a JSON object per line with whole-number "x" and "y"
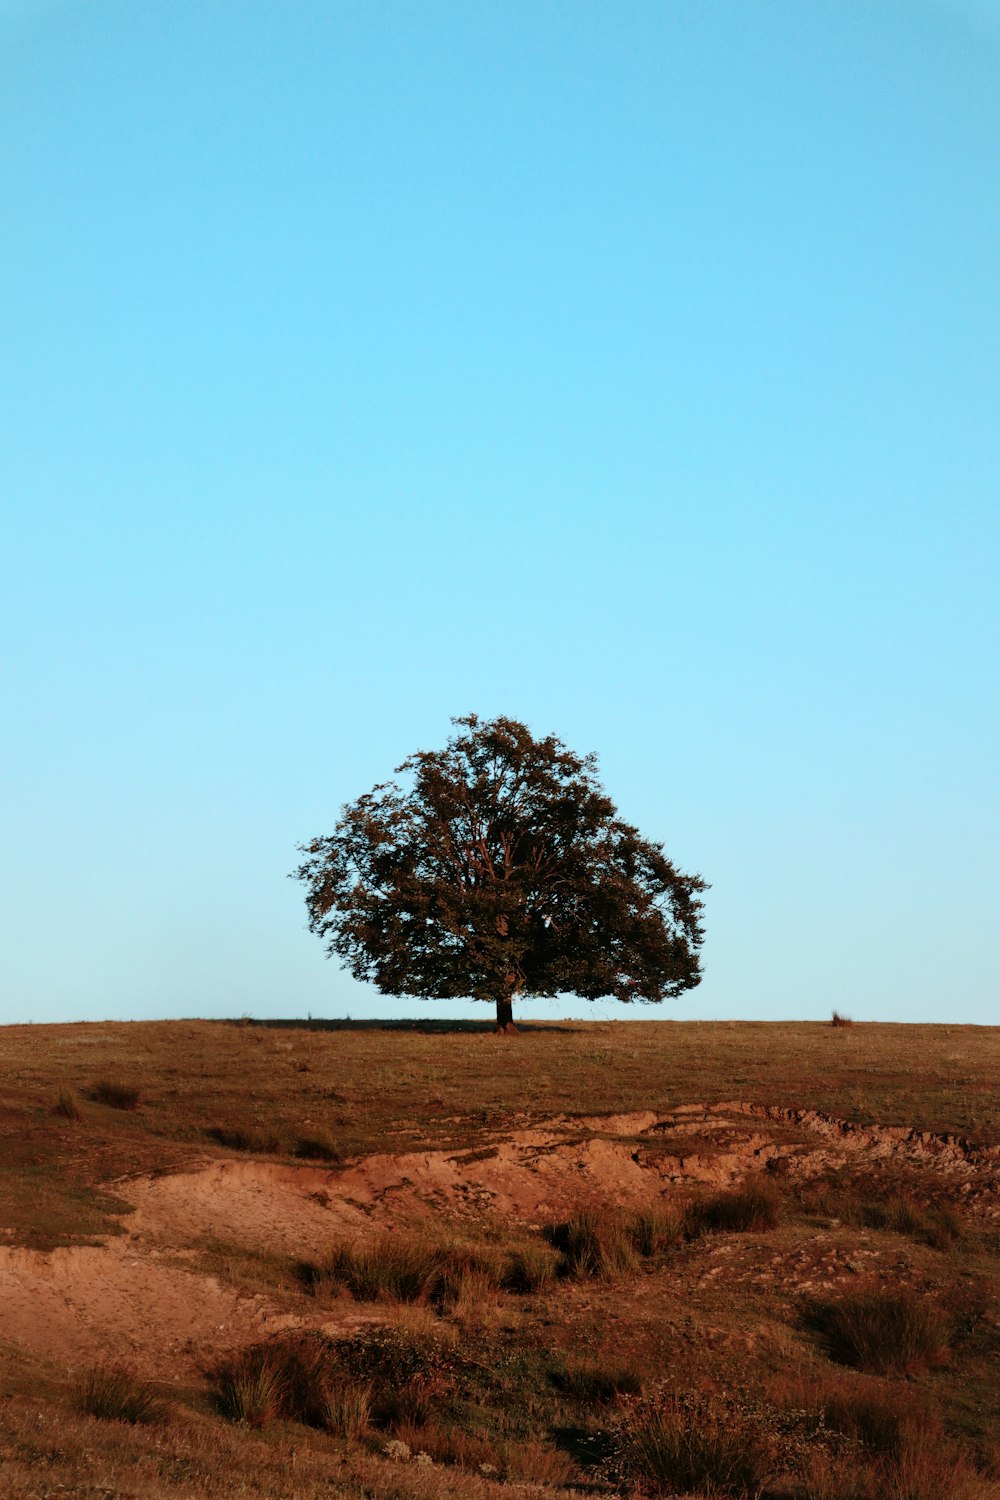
{"x": 500, "y": 866}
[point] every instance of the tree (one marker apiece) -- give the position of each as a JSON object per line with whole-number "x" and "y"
{"x": 500, "y": 868}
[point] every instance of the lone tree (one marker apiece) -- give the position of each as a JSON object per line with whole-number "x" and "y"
{"x": 501, "y": 867}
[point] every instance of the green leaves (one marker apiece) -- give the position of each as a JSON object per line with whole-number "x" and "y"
{"x": 497, "y": 866}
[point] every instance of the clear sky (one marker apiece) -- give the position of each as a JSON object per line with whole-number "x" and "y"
{"x": 632, "y": 369}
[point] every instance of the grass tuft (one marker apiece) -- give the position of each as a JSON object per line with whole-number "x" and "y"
{"x": 595, "y": 1243}
{"x": 112, "y": 1393}
{"x": 291, "y": 1376}
{"x": 241, "y": 1138}
{"x": 837, "y": 1019}
{"x": 656, "y": 1229}
{"x": 884, "y": 1332}
{"x": 320, "y": 1146}
{"x": 705, "y": 1443}
{"x": 597, "y": 1385}
{"x": 66, "y": 1107}
{"x": 347, "y": 1408}
{"x": 115, "y": 1094}
{"x": 755, "y": 1206}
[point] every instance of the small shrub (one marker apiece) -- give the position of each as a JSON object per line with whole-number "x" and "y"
{"x": 530, "y": 1268}
{"x": 838, "y": 1019}
{"x": 885, "y": 1332}
{"x": 249, "y": 1389}
{"x": 535, "y": 1463}
{"x": 883, "y": 1420}
{"x": 241, "y": 1138}
{"x": 597, "y": 1384}
{"x": 347, "y": 1409}
{"x": 66, "y": 1107}
{"x": 756, "y": 1206}
{"x": 656, "y": 1229}
{"x": 290, "y": 1377}
{"x": 450, "y": 1445}
{"x": 393, "y": 1266}
{"x": 319, "y": 1146}
{"x": 595, "y": 1244}
{"x": 114, "y": 1094}
{"x": 830, "y": 1477}
{"x": 926, "y": 1470}
{"x": 706, "y": 1443}
{"x": 113, "y": 1394}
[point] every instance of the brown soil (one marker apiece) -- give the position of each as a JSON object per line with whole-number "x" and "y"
{"x": 146, "y": 1293}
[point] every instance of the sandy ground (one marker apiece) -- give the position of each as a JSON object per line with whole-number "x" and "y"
{"x": 134, "y": 1296}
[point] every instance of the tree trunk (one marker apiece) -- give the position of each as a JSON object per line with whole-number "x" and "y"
{"x": 505, "y": 1016}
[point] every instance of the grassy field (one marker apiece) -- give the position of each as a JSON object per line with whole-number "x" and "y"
{"x": 410, "y": 1260}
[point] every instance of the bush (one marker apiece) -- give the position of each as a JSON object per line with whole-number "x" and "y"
{"x": 114, "y": 1094}
{"x": 883, "y": 1331}
{"x": 653, "y": 1230}
{"x": 450, "y": 1445}
{"x": 393, "y": 1266}
{"x": 597, "y": 1384}
{"x": 595, "y": 1244}
{"x": 840, "y": 1020}
{"x": 249, "y": 1388}
{"x": 414, "y": 1268}
{"x": 535, "y": 1463}
{"x": 883, "y": 1420}
{"x": 67, "y": 1107}
{"x": 926, "y": 1470}
{"x": 319, "y": 1146}
{"x": 530, "y": 1268}
{"x": 113, "y": 1394}
{"x": 291, "y": 1377}
{"x": 347, "y": 1409}
{"x": 706, "y": 1443}
{"x": 756, "y": 1205}
{"x": 240, "y": 1138}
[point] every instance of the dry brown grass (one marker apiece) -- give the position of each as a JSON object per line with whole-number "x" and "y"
{"x": 885, "y": 1330}
{"x": 519, "y": 1369}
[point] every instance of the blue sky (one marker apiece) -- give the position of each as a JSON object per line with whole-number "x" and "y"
{"x": 632, "y": 369}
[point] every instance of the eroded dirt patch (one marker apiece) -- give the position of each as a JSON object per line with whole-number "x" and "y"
{"x": 134, "y": 1296}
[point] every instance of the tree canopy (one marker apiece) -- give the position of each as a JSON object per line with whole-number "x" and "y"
{"x": 500, "y": 867}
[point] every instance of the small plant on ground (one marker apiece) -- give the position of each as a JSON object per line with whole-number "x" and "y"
{"x": 115, "y": 1094}
{"x": 319, "y": 1146}
{"x": 114, "y": 1394}
{"x": 249, "y": 1388}
{"x": 595, "y": 1243}
{"x": 838, "y": 1019}
{"x": 705, "y": 1443}
{"x": 757, "y": 1205}
{"x": 290, "y": 1377}
{"x": 66, "y": 1106}
{"x": 242, "y": 1138}
{"x": 928, "y": 1470}
{"x": 530, "y": 1268}
{"x": 347, "y": 1408}
{"x": 597, "y": 1384}
{"x": 883, "y": 1331}
{"x": 656, "y": 1229}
